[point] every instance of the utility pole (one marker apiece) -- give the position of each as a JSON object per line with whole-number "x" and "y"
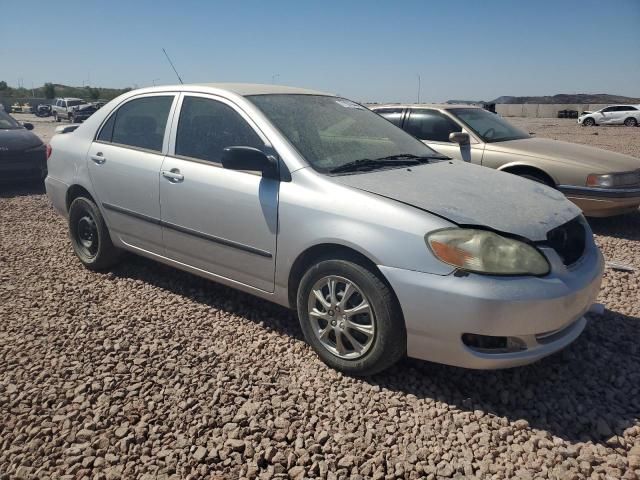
{"x": 273, "y": 77}
{"x": 418, "y": 88}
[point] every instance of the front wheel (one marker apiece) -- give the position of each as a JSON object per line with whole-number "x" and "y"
{"x": 89, "y": 235}
{"x": 588, "y": 122}
{"x": 630, "y": 122}
{"x": 350, "y": 317}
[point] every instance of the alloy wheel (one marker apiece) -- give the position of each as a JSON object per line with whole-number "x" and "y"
{"x": 341, "y": 317}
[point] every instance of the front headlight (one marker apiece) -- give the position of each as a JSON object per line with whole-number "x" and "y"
{"x": 482, "y": 251}
{"x": 611, "y": 180}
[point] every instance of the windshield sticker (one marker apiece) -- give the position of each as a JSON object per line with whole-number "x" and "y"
{"x": 349, "y": 104}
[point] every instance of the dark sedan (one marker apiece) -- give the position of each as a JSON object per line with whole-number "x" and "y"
{"x": 22, "y": 154}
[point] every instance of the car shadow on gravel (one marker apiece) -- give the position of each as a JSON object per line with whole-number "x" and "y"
{"x": 587, "y": 392}
{"x": 22, "y": 189}
{"x": 622, "y": 226}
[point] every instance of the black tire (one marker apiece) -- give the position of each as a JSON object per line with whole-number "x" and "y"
{"x": 389, "y": 338}
{"x": 588, "y": 122}
{"x": 630, "y": 122}
{"x": 90, "y": 237}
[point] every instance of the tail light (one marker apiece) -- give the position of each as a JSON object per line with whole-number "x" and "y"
{"x": 48, "y": 151}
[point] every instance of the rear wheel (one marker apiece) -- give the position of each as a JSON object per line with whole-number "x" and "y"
{"x": 350, "y": 317}
{"x": 588, "y": 122}
{"x": 89, "y": 235}
{"x": 631, "y": 122}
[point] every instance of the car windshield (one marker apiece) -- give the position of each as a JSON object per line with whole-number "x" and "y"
{"x": 488, "y": 126}
{"x": 330, "y": 132}
{"x": 73, "y": 103}
{"x": 7, "y": 122}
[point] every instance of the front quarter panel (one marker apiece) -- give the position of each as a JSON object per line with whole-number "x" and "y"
{"x": 314, "y": 210}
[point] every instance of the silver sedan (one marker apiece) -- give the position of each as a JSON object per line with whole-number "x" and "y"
{"x": 384, "y": 247}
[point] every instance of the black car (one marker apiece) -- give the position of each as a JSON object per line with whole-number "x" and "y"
{"x": 22, "y": 154}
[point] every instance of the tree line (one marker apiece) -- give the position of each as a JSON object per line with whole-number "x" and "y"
{"x": 50, "y": 90}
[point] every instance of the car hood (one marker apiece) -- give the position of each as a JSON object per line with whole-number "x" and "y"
{"x": 17, "y": 140}
{"x": 595, "y": 159}
{"x": 468, "y": 194}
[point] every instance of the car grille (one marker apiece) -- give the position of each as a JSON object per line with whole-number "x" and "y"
{"x": 568, "y": 240}
{"x": 627, "y": 179}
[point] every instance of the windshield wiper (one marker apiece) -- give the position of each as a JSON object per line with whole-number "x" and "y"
{"x": 402, "y": 159}
{"x": 420, "y": 158}
{"x": 367, "y": 164}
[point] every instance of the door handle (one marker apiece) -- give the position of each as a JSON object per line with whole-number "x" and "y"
{"x": 173, "y": 175}
{"x": 98, "y": 158}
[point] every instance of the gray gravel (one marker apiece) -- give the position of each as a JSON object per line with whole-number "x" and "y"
{"x": 148, "y": 372}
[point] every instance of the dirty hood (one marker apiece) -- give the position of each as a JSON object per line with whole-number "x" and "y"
{"x": 468, "y": 194}
{"x": 596, "y": 159}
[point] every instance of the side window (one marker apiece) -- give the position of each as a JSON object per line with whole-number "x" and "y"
{"x": 141, "y": 122}
{"x": 57, "y": 102}
{"x": 106, "y": 132}
{"x": 609, "y": 109}
{"x": 431, "y": 125}
{"x": 206, "y": 127}
{"x": 63, "y": 103}
{"x": 394, "y": 115}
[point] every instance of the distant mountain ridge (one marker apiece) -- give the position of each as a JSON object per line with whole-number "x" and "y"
{"x": 569, "y": 98}
{"x": 584, "y": 98}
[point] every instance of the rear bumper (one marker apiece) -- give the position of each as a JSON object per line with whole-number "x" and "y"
{"x": 603, "y": 202}
{"x": 57, "y": 193}
{"x": 543, "y": 314}
{"x": 31, "y": 166}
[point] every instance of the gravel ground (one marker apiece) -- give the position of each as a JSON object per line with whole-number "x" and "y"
{"x": 148, "y": 372}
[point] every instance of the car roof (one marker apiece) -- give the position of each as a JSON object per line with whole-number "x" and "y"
{"x": 438, "y": 106}
{"x": 242, "y": 89}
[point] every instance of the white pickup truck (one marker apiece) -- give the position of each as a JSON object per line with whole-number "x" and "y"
{"x": 75, "y": 110}
{"x": 628, "y": 115}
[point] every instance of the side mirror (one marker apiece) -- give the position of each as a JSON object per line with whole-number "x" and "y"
{"x": 461, "y": 138}
{"x": 27, "y": 125}
{"x": 250, "y": 159}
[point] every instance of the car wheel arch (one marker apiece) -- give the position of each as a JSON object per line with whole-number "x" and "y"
{"x": 325, "y": 251}
{"x": 522, "y": 169}
{"x": 75, "y": 191}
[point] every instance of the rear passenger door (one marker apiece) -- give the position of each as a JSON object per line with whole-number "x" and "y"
{"x": 434, "y": 127}
{"x": 221, "y": 221}
{"x": 124, "y": 165}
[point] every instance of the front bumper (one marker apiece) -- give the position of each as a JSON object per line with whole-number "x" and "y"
{"x": 545, "y": 314}
{"x": 603, "y": 202}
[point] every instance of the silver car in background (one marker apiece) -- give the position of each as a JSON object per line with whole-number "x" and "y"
{"x": 384, "y": 247}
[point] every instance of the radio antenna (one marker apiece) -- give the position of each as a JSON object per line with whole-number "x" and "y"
{"x": 174, "y": 68}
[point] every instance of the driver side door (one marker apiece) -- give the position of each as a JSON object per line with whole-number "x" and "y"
{"x": 220, "y": 221}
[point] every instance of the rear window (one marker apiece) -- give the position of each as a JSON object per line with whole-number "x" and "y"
{"x": 139, "y": 123}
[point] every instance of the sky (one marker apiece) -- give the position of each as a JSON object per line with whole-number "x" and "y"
{"x": 364, "y": 50}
